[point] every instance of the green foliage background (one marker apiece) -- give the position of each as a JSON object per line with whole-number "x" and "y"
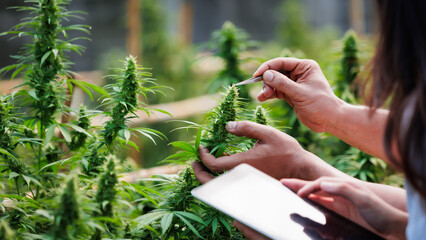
{"x": 60, "y": 180}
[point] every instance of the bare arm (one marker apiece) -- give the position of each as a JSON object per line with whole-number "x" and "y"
{"x": 307, "y": 90}
{"x": 357, "y": 127}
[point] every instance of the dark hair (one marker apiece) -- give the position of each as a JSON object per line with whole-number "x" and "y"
{"x": 399, "y": 74}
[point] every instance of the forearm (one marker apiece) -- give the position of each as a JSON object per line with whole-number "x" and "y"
{"x": 354, "y": 125}
{"x": 394, "y": 196}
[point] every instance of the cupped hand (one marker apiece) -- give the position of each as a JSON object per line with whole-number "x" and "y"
{"x": 275, "y": 153}
{"x": 303, "y": 85}
{"x": 352, "y": 200}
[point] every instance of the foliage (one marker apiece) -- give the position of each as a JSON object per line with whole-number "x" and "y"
{"x": 68, "y": 212}
{"x": 177, "y": 213}
{"x": 349, "y": 69}
{"x": 37, "y": 150}
{"x": 218, "y": 140}
{"x": 230, "y": 42}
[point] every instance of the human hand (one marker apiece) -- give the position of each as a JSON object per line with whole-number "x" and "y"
{"x": 352, "y": 200}
{"x": 303, "y": 85}
{"x": 275, "y": 153}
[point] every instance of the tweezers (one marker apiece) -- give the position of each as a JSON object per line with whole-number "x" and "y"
{"x": 250, "y": 80}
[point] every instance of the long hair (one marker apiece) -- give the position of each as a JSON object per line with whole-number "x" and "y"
{"x": 399, "y": 75}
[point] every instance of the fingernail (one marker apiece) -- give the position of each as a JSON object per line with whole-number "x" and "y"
{"x": 268, "y": 76}
{"x": 328, "y": 186}
{"x": 230, "y": 126}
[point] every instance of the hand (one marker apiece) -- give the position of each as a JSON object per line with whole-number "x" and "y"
{"x": 275, "y": 153}
{"x": 355, "y": 202}
{"x": 304, "y": 87}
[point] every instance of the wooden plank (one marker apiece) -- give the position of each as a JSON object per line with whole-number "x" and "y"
{"x": 134, "y": 28}
{"x": 356, "y": 16}
{"x": 133, "y": 177}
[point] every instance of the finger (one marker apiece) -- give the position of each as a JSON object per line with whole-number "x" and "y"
{"x": 281, "y": 83}
{"x": 248, "y": 232}
{"x": 266, "y": 93}
{"x": 252, "y": 130}
{"x": 294, "y": 183}
{"x": 278, "y": 64}
{"x": 309, "y": 188}
{"x": 200, "y": 174}
{"x": 220, "y": 164}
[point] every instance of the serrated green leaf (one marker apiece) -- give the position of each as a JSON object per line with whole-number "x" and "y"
{"x": 4, "y": 151}
{"x": 225, "y": 224}
{"x": 55, "y": 52}
{"x": 65, "y": 133}
{"x": 162, "y": 111}
{"x": 29, "y": 179}
{"x": 183, "y": 145}
{"x": 33, "y": 94}
{"x": 166, "y": 221}
{"x": 127, "y": 135}
{"x": 191, "y": 216}
{"x": 17, "y": 71}
{"x": 13, "y": 175}
{"x": 214, "y": 226}
{"x": 191, "y": 227}
{"x": 79, "y": 129}
{"x": 45, "y": 56}
{"x": 49, "y": 133}
{"x": 148, "y": 218}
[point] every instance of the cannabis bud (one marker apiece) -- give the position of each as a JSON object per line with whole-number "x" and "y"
{"x": 106, "y": 191}
{"x": 79, "y": 138}
{"x": 230, "y": 42}
{"x": 260, "y": 116}
{"x": 68, "y": 212}
{"x": 125, "y": 98}
{"x": 226, "y": 112}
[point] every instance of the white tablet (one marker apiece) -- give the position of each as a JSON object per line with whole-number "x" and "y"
{"x": 266, "y": 205}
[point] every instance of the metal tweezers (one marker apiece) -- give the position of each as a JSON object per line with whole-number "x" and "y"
{"x": 251, "y": 80}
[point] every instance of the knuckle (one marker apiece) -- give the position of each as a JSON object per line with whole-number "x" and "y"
{"x": 311, "y": 63}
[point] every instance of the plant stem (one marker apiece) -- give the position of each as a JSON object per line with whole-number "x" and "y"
{"x": 17, "y": 186}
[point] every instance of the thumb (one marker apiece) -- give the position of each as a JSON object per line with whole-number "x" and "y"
{"x": 251, "y": 130}
{"x": 281, "y": 83}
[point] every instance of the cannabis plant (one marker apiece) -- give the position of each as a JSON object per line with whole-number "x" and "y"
{"x": 177, "y": 213}
{"x": 217, "y": 139}
{"x": 68, "y": 212}
{"x": 349, "y": 69}
{"x": 43, "y": 60}
{"x": 79, "y": 137}
{"x": 132, "y": 81}
{"x": 37, "y": 149}
{"x": 230, "y": 42}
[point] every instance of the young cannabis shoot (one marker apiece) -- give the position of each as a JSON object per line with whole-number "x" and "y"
{"x": 67, "y": 213}
{"x": 130, "y": 84}
{"x": 217, "y": 137}
{"x": 230, "y": 42}
{"x": 43, "y": 59}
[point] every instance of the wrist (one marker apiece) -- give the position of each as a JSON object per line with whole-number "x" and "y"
{"x": 337, "y": 116}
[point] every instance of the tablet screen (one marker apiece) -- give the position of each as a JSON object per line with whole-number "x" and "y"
{"x": 264, "y": 204}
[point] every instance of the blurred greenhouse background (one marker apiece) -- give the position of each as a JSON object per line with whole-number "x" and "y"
{"x": 174, "y": 39}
